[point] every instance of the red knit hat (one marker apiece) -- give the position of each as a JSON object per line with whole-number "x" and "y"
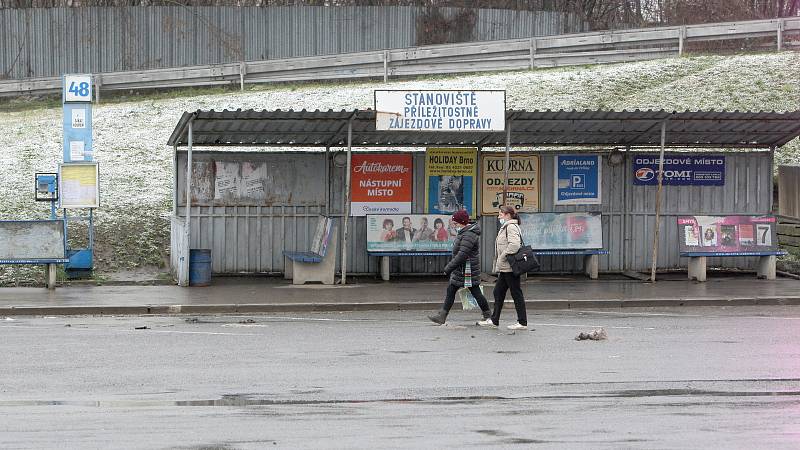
{"x": 461, "y": 216}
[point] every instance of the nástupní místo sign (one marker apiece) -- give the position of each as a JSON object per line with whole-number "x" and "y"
{"x": 440, "y": 110}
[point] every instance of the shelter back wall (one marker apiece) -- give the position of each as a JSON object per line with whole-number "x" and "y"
{"x": 247, "y": 233}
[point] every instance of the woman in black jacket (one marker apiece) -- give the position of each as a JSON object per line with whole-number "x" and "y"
{"x": 466, "y": 248}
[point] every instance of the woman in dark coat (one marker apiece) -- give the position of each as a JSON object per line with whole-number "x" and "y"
{"x": 466, "y": 248}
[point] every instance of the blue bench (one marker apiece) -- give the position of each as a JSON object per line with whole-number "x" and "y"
{"x": 317, "y": 264}
{"x": 767, "y": 262}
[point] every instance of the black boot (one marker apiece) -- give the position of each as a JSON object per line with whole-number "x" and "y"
{"x": 439, "y": 317}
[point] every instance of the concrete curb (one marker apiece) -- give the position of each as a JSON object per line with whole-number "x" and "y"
{"x": 535, "y": 305}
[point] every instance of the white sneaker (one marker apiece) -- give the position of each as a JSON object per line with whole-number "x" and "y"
{"x": 487, "y": 323}
{"x": 517, "y": 326}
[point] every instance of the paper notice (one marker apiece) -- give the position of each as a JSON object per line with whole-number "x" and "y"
{"x": 78, "y": 118}
{"x": 76, "y": 152}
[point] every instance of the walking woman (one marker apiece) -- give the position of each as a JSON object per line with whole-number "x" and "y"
{"x": 466, "y": 249}
{"x": 508, "y": 242}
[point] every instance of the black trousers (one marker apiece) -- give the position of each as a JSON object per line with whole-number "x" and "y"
{"x": 450, "y": 297}
{"x": 506, "y": 281}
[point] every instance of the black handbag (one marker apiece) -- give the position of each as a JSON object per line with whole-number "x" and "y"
{"x": 524, "y": 260}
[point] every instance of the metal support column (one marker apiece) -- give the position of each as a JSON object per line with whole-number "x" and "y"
{"x": 347, "y": 199}
{"x": 508, "y": 159}
{"x": 658, "y": 199}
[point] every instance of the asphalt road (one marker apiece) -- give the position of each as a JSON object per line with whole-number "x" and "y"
{"x": 680, "y": 378}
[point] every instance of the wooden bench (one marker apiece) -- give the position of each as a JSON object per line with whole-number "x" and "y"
{"x": 319, "y": 263}
{"x": 591, "y": 258}
{"x": 766, "y": 262}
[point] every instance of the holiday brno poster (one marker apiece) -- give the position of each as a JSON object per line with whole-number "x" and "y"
{"x": 450, "y": 180}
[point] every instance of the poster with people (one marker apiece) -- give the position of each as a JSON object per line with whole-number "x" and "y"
{"x": 450, "y": 180}
{"x": 410, "y": 233}
{"x": 727, "y": 234}
{"x": 381, "y": 183}
{"x": 563, "y": 231}
{"x": 522, "y": 191}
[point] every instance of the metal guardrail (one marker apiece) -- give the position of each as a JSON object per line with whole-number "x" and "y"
{"x": 547, "y": 51}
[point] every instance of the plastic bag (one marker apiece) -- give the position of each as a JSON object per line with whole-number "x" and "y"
{"x": 468, "y": 302}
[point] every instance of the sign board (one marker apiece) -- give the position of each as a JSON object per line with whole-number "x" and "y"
{"x": 450, "y": 180}
{"x": 578, "y": 179}
{"x": 523, "y": 182}
{"x": 727, "y": 235}
{"x": 79, "y": 185}
{"x": 562, "y": 231}
{"x": 680, "y": 169}
{"x": 381, "y": 184}
{"x": 78, "y": 132}
{"x": 29, "y": 240}
{"x": 421, "y": 110}
{"x": 410, "y": 233}
{"x": 77, "y": 88}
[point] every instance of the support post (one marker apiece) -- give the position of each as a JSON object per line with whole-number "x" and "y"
{"x": 533, "y": 53}
{"x": 242, "y": 73}
{"x": 386, "y": 66}
{"x": 327, "y": 180}
{"x": 767, "y": 266}
{"x": 175, "y": 180}
{"x": 658, "y": 199}
{"x": 347, "y": 198}
{"x": 98, "y": 80}
{"x": 697, "y": 268}
{"x": 51, "y": 276}
{"x": 780, "y": 34}
{"x": 385, "y": 260}
{"x": 188, "y": 225}
{"x": 681, "y": 40}
{"x": 591, "y": 265}
{"x": 508, "y": 159}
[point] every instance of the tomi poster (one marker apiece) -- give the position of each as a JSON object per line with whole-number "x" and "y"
{"x": 450, "y": 180}
{"x": 523, "y": 182}
{"x": 381, "y": 184}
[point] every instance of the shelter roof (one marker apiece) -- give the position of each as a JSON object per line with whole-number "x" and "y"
{"x": 289, "y": 128}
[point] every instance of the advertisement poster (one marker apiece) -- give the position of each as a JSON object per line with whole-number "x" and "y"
{"x": 563, "y": 231}
{"x": 727, "y": 234}
{"x": 578, "y": 179}
{"x": 450, "y": 180}
{"x": 680, "y": 169}
{"x": 523, "y": 182}
{"x": 445, "y": 110}
{"x": 410, "y": 233}
{"x": 381, "y": 184}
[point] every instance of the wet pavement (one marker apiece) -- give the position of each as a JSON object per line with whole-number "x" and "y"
{"x": 697, "y": 377}
{"x": 250, "y": 295}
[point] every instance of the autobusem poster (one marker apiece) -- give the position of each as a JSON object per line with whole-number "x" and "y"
{"x": 450, "y": 180}
{"x": 563, "y": 231}
{"x": 381, "y": 184}
{"x": 523, "y": 182}
{"x": 727, "y": 234}
{"x": 410, "y": 233}
{"x": 578, "y": 180}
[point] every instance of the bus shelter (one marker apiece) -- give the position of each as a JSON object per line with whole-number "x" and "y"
{"x": 310, "y": 176}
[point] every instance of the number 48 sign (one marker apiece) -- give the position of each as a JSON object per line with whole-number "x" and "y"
{"x": 77, "y": 88}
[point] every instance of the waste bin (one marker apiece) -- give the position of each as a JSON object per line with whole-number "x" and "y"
{"x": 199, "y": 267}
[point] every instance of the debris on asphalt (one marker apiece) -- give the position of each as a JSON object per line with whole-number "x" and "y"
{"x": 142, "y": 328}
{"x": 67, "y": 325}
{"x": 247, "y": 321}
{"x": 192, "y": 320}
{"x": 9, "y": 319}
{"x": 594, "y": 335}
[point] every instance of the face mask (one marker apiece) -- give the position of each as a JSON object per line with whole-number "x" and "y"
{"x": 503, "y": 221}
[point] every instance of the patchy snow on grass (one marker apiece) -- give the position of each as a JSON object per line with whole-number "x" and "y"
{"x": 136, "y": 164}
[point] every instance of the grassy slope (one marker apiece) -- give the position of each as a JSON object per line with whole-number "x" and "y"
{"x": 136, "y": 165}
